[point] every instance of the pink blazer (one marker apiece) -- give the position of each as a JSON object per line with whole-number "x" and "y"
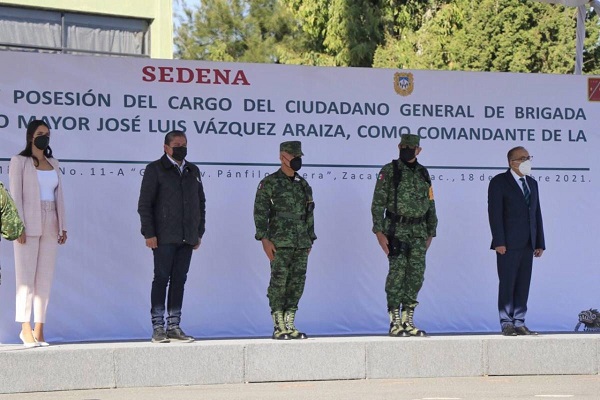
{"x": 25, "y": 191}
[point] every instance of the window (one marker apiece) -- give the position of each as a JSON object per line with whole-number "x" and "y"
{"x": 31, "y": 29}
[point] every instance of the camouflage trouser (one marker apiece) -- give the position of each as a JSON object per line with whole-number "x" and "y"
{"x": 406, "y": 276}
{"x": 288, "y": 274}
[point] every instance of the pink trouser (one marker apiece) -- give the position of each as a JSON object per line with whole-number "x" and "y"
{"x": 34, "y": 268}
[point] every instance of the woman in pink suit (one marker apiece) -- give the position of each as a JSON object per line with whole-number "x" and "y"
{"x": 36, "y": 188}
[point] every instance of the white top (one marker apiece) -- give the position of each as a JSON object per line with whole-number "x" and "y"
{"x": 48, "y": 181}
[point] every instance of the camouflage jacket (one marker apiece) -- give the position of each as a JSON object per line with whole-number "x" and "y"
{"x": 283, "y": 211}
{"x": 415, "y": 200}
{"x": 11, "y": 226}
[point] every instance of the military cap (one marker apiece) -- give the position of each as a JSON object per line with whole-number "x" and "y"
{"x": 410, "y": 140}
{"x": 293, "y": 147}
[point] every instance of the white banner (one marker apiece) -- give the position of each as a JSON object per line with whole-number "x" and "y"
{"x": 108, "y": 117}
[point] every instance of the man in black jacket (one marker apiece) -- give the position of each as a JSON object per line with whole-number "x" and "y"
{"x": 172, "y": 211}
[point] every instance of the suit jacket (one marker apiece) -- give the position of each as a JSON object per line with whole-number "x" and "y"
{"x": 172, "y": 206}
{"x": 512, "y": 223}
{"x": 25, "y": 190}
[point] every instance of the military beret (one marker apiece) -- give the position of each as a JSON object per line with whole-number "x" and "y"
{"x": 293, "y": 147}
{"x": 410, "y": 140}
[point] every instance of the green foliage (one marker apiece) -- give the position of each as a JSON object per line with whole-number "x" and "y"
{"x": 493, "y": 35}
{"x": 353, "y": 32}
{"x": 339, "y": 32}
{"x": 473, "y": 35}
{"x": 235, "y": 30}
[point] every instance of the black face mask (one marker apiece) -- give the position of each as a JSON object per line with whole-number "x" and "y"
{"x": 41, "y": 142}
{"x": 407, "y": 154}
{"x": 296, "y": 163}
{"x": 179, "y": 153}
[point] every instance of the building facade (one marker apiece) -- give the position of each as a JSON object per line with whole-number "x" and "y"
{"x": 134, "y": 28}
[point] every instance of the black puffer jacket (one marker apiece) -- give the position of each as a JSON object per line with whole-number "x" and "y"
{"x": 172, "y": 205}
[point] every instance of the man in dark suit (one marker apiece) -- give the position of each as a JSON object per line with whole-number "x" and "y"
{"x": 172, "y": 209}
{"x": 517, "y": 236}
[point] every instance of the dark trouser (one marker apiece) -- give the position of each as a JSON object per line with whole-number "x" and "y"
{"x": 171, "y": 265}
{"x": 406, "y": 275}
{"x": 514, "y": 273}
{"x": 288, "y": 275}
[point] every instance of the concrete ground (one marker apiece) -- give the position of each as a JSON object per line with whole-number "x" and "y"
{"x": 579, "y": 387}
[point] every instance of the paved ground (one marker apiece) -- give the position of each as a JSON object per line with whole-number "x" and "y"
{"x": 579, "y": 387}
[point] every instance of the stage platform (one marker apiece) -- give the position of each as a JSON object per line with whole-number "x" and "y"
{"x": 204, "y": 362}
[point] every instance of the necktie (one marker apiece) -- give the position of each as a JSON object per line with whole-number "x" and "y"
{"x": 526, "y": 191}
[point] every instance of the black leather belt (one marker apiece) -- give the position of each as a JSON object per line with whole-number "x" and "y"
{"x": 401, "y": 219}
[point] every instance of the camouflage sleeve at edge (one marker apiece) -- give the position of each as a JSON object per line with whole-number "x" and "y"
{"x": 11, "y": 225}
{"x": 3, "y": 198}
{"x": 431, "y": 220}
{"x": 378, "y": 204}
{"x": 262, "y": 209}
{"x": 311, "y": 220}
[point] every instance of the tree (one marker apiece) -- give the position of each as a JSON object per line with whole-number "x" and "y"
{"x": 348, "y": 32}
{"x": 313, "y": 32}
{"x": 235, "y": 30}
{"x": 473, "y": 35}
{"x": 339, "y": 32}
{"x": 493, "y": 35}
{"x": 422, "y": 33}
{"x": 354, "y": 30}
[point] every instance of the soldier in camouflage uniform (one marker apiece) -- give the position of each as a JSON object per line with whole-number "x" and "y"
{"x": 283, "y": 215}
{"x": 11, "y": 226}
{"x": 404, "y": 221}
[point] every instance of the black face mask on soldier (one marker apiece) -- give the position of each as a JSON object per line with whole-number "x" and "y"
{"x": 41, "y": 142}
{"x": 407, "y": 154}
{"x": 179, "y": 153}
{"x": 296, "y": 163}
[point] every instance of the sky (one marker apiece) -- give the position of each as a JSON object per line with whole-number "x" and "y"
{"x": 178, "y": 7}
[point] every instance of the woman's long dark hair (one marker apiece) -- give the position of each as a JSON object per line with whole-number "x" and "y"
{"x": 31, "y": 128}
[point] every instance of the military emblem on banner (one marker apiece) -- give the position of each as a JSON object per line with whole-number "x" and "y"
{"x": 594, "y": 89}
{"x": 590, "y": 319}
{"x": 403, "y": 83}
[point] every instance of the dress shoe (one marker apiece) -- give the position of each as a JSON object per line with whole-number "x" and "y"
{"x": 177, "y": 334}
{"x": 509, "y": 330}
{"x": 523, "y": 330}
{"x": 28, "y": 344}
{"x": 41, "y": 344}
